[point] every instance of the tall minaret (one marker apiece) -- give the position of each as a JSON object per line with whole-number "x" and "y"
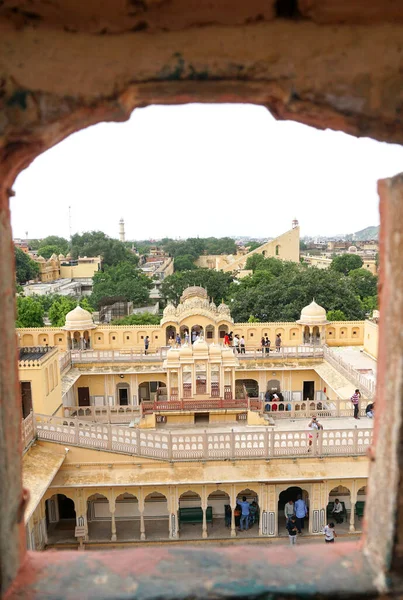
{"x": 122, "y": 230}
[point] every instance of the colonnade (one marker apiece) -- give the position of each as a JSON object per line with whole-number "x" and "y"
{"x": 266, "y": 494}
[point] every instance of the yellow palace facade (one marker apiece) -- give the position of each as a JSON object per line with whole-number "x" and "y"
{"x": 124, "y": 444}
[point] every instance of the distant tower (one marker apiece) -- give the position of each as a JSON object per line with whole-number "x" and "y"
{"x": 295, "y": 223}
{"x": 122, "y": 230}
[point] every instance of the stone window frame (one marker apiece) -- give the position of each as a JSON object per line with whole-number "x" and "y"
{"x": 369, "y": 568}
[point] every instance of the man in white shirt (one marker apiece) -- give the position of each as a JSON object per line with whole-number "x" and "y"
{"x": 337, "y": 510}
{"x": 289, "y": 510}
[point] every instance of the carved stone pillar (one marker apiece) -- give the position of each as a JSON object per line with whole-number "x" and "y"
{"x": 113, "y": 527}
{"x": 141, "y": 510}
{"x": 352, "y": 517}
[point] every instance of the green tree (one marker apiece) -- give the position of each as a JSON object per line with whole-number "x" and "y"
{"x": 336, "y": 315}
{"x": 281, "y": 298}
{"x": 25, "y": 267}
{"x": 94, "y": 243}
{"x": 29, "y": 312}
{"x": 364, "y": 283}
{"x": 369, "y": 304}
{"x": 60, "y": 244}
{"x": 59, "y": 309}
{"x": 47, "y": 251}
{"x": 346, "y": 263}
{"x": 123, "y": 280}
{"x": 216, "y": 283}
{"x": 86, "y": 305}
{"x": 48, "y": 300}
{"x": 184, "y": 263}
{"x": 145, "y": 318}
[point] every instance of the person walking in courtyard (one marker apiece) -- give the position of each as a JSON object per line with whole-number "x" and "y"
{"x": 245, "y": 508}
{"x": 236, "y": 344}
{"x": 242, "y": 345}
{"x": 267, "y": 344}
{"x": 263, "y": 344}
{"x": 330, "y": 533}
{"x": 292, "y": 530}
{"x": 278, "y": 342}
{"x": 337, "y": 511}
{"x": 289, "y": 510}
{"x": 355, "y": 399}
{"x": 146, "y": 344}
{"x": 226, "y": 339}
{"x": 301, "y": 511}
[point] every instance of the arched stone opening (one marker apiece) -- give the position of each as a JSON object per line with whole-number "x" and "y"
{"x": 315, "y": 335}
{"x": 190, "y": 515}
{"x": 61, "y": 519}
{"x": 152, "y": 390}
{"x": 210, "y": 333}
{"x": 123, "y": 394}
{"x": 86, "y": 340}
{"x": 170, "y": 336}
{"x": 292, "y": 493}
{"x": 307, "y": 335}
{"x": 76, "y": 341}
{"x": 338, "y": 508}
{"x": 156, "y": 516}
{"x": 359, "y": 509}
{"x": 222, "y": 330}
{"x": 127, "y": 517}
{"x": 247, "y": 524}
{"x": 221, "y": 509}
{"x": 99, "y": 519}
{"x": 27, "y": 339}
{"x": 246, "y": 388}
{"x": 196, "y": 332}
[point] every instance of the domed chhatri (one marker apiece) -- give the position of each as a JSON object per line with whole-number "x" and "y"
{"x": 78, "y": 319}
{"x": 223, "y": 309}
{"x": 313, "y": 314}
{"x": 169, "y": 310}
{"x": 352, "y": 249}
{"x": 194, "y": 291}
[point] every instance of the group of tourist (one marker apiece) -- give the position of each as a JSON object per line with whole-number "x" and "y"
{"x": 235, "y": 342}
{"x": 369, "y": 410}
{"x": 246, "y": 514}
{"x": 265, "y": 343}
{"x": 295, "y": 514}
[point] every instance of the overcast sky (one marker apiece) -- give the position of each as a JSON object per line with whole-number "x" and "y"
{"x": 207, "y": 170}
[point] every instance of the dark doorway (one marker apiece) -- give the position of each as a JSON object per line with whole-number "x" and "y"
{"x": 291, "y": 493}
{"x": 123, "y": 396}
{"x": 83, "y": 396}
{"x": 66, "y": 507}
{"x": 308, "y": 390}
{"x": 202, "y": 418}
{"x": 26, "y": 398}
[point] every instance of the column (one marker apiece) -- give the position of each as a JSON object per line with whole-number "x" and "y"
{"x": 233, "y": 506}
{"x": 141, "y": 511}
{"x": 173, "y": 513}
{"x": 204, "y": 509}
{"x": 113, "y": 526}
{"x": 352, "y": 517}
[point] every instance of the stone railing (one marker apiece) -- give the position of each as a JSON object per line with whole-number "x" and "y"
{"x": 159, "y": 354}
{"x": 193, "y": 404}
{"x": 28, "y": 430}
{"x": 366, "y": 385}
{"x": 204, "y": 445}
{"x": 299, "y": 409}
{"x": 32, "y": 356}
{"x": 65, "y": 361}
{"x": 103, "y": 414}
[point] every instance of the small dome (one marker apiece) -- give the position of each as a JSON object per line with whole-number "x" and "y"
{"x": 41, "y": 259}
{"x": 53, "y": 257}
{"x": 313, "y": 314}
{"x": 194, "y": 291}
{"x": 68, "y": 255}
{"x": 78, "y": 319}
{"x": 61, "y": 257}
{"x": 169, "y": 310}
{"x": 352, "y": 249}
{"x": 223, "y": 309}
{"x": 213, "y": 306}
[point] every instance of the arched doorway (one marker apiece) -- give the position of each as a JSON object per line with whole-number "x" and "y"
{"x": 99, "y": 518}
{"x": 210, "y": 333}
{"x": 156, "y": 516}
{"x": 316, "y": 335}
{"x": 222, "y": 330}
{"x": 196, "y": 333}
{"x": 339, "y": 514}
{"x": 360, "y": 507}
{"x": 273, "y": 396}
{"x": 248, "y": 388}
{"x": 76, "y": 341}
{"x": 220, "y": 504}
{"x": 190, "y": 516}
{"x": 86, "y": 341}
{"x": 127, "y": 517}
{"x": 252, "y": 498}
{"x": 60, "y": 519}
{"x": 123, "y": 394}
{"x": 291, "y": 493}
{"x": 307, "y": 335}
{"x": 170, "y": 335}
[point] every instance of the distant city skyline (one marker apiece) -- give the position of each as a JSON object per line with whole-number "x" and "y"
{"x": 207, "y": 170}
